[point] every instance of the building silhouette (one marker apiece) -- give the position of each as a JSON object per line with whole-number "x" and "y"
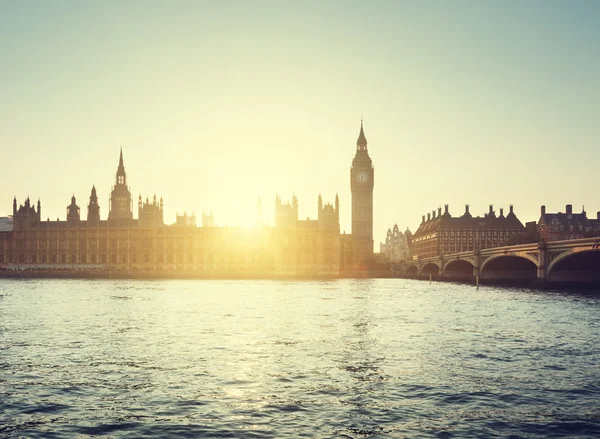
{"x": 396, "y": 247}
{"x": 292, "y": 247}
{"x": 562, "y": 226}
{"x": 121, "y": 205}
{"x": 440, "y": 234}
{"x": 362, "y": 182}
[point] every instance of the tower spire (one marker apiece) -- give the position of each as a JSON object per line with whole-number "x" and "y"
{"x": 121, "y": 174}
{"x": 121, "y": 205}
{"x": 361, "y": 143}
{"x": 121, "y": 165}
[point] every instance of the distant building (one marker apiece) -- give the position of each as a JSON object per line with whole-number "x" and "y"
{"x": 122, "y": 243}
{"x": 186, "y": 220}
{"x": 443, "y": 234}
{"x": 307, "y": 246}
{"x": 208, "y": 220}
{"x": 396, "y": 247}
{"x": 564, "y": 226}
{"x": 151, "y": 214}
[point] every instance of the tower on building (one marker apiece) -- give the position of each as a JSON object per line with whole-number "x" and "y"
{"x": 208, "y": 219}
{"x": 73, "y": 211}
{"x": 361, "y": 184}
{"x": 121, "y": 207}
{"x": 150, "y": 213}
{"x": 93, "y": 215}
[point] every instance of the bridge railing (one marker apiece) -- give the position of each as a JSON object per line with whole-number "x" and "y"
{"x": 511, "y": 248}
{"x": 573, "y": 242}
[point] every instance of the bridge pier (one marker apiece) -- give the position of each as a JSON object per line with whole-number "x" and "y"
{"x": 542, "y": 272}
{"x": 476, "y": 264}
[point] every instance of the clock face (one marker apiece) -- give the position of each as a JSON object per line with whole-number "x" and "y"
{"x": 362, "y": 177}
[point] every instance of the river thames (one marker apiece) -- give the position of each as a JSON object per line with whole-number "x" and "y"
{"x": 267, "y": 359}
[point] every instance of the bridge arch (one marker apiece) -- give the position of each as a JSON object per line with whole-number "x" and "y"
{"x": 430, "y": 268}
{"x": 412, "y": 270}
{"x": 510, "y": 266}
{"x": 509, "y": 255}
{"x": 459, "y": 268}
{"x": 576, "y": 265}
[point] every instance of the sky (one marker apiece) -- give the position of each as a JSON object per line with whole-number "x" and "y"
{"x": 219, "y": 103}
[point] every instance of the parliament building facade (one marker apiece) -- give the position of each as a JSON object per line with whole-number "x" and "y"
{"x": 292, "y": 247}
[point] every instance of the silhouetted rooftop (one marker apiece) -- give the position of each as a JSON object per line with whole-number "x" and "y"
{"x": 6, "y": 224}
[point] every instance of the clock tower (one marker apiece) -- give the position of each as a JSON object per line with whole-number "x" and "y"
{"x": 361, "y": 184}
{"x": 120, "y": 206}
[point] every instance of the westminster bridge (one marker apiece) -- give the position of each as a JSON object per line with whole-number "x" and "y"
{"x": 559, "y": 261}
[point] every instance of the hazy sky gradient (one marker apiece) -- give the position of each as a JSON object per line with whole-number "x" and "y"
{"x": 218, "y": 103}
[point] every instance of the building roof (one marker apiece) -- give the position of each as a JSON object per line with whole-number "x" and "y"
{"x": 362, "y": 140}
{"x": 567, "y": 220}
{"x": 466, "y": 220}
{"x": 6, "y": 224}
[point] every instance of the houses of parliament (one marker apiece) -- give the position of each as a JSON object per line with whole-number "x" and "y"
{"x": 292, "y": 247}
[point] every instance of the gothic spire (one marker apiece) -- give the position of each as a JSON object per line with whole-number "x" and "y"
{"x": 361, "y": 143}
{"x": 93, "y": 195}
{"x": 121, "y": 174}
{"x": 121, "y": 159}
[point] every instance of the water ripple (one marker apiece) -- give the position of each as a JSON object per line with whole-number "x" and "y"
{"x": 340, "y": 359}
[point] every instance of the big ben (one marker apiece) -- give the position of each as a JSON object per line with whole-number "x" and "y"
{"x": 361, "y": 183}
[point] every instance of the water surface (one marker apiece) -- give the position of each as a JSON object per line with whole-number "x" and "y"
{"x": 341, "y": 359}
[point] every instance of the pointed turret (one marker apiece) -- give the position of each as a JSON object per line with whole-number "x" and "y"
{"x": 121, "y": 205}
{"x": 93, "y": 195}
{"x": 121, "y": 174}
{"x": 73, "y": 211}
{"x": 93, "y": 215}
{"x": 121, "y": 167}
{"x": 361, "y": 143}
